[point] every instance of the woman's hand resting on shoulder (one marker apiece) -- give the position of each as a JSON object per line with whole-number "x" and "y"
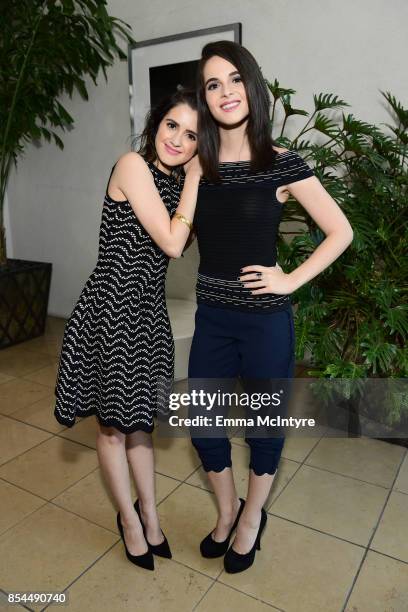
{"x": 193, "y": 166}
{"x": 263, "y": 279}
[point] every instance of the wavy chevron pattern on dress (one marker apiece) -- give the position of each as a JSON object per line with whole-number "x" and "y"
{"x": 117, "y": 343}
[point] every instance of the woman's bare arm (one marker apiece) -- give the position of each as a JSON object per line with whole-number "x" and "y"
{"x": 326, "y": 213}
{"x": 135, "y": 180}
{"x": 314, "y": 198}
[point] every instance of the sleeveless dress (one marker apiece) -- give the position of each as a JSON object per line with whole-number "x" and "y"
{"x": 117, "y": 356}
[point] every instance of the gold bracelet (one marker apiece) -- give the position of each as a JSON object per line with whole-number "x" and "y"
{"x": 183, "y": 219}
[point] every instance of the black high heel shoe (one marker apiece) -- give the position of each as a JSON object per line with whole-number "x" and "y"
{"x": 145, "y": 560}
{"x": 210, "y": 549}
{"x": 162, "y": 549}
{"x": 237, "y": 562}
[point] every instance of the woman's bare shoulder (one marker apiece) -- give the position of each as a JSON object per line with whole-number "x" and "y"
{"x": 131, "y": 170}
{"x": 279, "y": 149}
{"x": 131, "y": 159}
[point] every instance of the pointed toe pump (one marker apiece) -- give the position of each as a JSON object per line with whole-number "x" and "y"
{"x": 145, "y": 560}
{"x": 162, "y": 549}
{"x": 210, "y": 549}
{"x": 236, "y": 562}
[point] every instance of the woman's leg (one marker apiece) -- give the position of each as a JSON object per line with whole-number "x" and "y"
{"x": 227, "y": 501}
{"x": 267, "y": 354}
{"x": 213, "y": 356}
{"x": 140, "y": 454}
{"x": 111, "y": 451}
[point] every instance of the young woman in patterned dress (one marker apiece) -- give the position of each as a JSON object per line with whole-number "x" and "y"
{"x": 117, "y": 343}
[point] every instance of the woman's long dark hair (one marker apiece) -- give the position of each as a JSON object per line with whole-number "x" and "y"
{"x": 146, "y": 139}
{"x": 258, "y": 128}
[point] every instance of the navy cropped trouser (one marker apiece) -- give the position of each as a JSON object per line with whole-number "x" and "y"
{"x": 254, "y": 346}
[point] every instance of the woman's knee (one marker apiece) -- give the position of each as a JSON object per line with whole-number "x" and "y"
{"x": 110, "y": 435}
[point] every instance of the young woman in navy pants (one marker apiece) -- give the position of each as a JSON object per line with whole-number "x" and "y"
{"x": 244, "y": 320}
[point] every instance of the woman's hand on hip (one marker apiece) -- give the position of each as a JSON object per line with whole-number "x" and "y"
{"x": 263, "y": 279}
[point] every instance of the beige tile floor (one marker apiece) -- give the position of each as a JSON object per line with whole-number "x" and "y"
{"x": 336, "y": 538}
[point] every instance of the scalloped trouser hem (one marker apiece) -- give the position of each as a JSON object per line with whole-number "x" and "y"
{"x": 215, "y": 454}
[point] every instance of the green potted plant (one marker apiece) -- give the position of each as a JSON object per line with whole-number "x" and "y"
{"x": 352, "y": 318}
{"x": 46, "y": 49}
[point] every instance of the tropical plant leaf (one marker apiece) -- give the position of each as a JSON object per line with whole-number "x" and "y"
{"x": 48, "y": 49}
{"x": 379, "y": 356}
{"x": 325, "y": 125}
{"x": 399, "y": 110}
{"x": 328, "y": 100}
{"x": 277, "y": 91}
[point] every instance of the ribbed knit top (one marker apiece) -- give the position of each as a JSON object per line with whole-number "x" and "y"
{"x": 236, "y": 223}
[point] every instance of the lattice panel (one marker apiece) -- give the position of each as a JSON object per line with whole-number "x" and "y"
{"x": 24, "y": 293}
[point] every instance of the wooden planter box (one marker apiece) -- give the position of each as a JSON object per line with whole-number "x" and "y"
{"x": 24, "y": 293}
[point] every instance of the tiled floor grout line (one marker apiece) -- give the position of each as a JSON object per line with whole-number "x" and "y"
{"x": 83, "y": 518}
{"x": 22, "y": 376}
{"x": 83, "y": 572}
{"x": 106, "y": 552}
{"x": 312, "y": 449}
{"x": 383, "y": 554}
{"x": 20, "y": 605}
{"x": 23, "y": 519}
{"x": 247, "y": 594}
{"x": 374, "y": 484}
{"x": 51, "y": 501}
{"x": 107, "y": 529}
{"x": 10, "y": 416}
{"x": 34, "y": 382}
{"x": 216, "y": 581}
{"x": 54, "y": 503}
{"x": 191, "y": 484}
{"x": 180, "y": 483}
{"x": 367, "y": 548}
{"x": 202, "y": 488}
{"x": 44, "y": 353}
{"x": 300, "y": 463}
{"x": 399, "y": 491}
{"x": 330, "y": 535}
{"x": 3, "y": 382}
{"x": 205, "y": 594}
{"x": 286, "y": 484}
{"x": 26, "y": 451}
{"x": 51, "y": 392}
{"x": 23, "y": 489}
{"x": 303, "y": 462}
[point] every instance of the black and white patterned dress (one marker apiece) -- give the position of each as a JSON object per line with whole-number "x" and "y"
{"x": 118, "y": 346}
